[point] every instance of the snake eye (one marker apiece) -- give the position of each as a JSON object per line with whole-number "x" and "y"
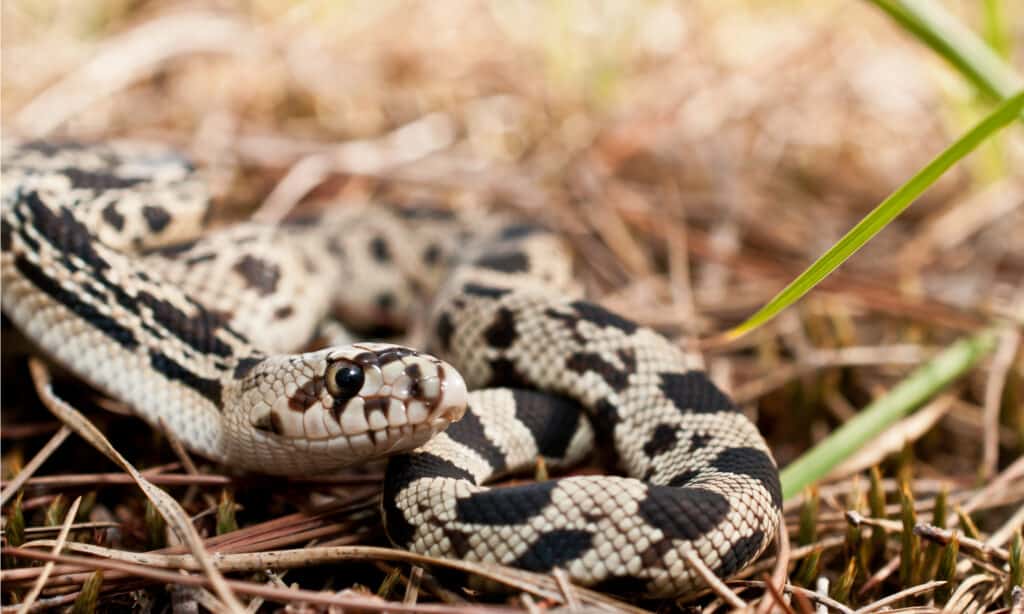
{"x": 344, "y": 379}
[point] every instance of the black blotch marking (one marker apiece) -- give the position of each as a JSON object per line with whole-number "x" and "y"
{"x": 508, "y": 262}
{"x": 683, "y": 513}
{"x": 444, "y": 331}
{"x": 755, "y": 464}
{"x": 662, "y": 440}
{"x": 621, "y": 585}
{"x": 459, "y": 541}
{"x": 283, "y": 312}
{"x": 258, "y": 274}
{"x": 606, "y": 416}
{"x": 581, "y": 362}
{"x": 484, "y": 291}
{"x": 628, "y": 358}
{"x": 112, "y": 216}
{"x": 157, "y": 218}
{"x": 379, "y": 249}
{"x": 50, "y": 148}
{"x": 98, "y": 180}
{"x": 470, "y": 432}
{"x": 424, "y": 213}
{"x": 741, "y": 552}
{"x": 551, "y": 419}
{"x": 501, "y": 333}
{"x": 87, "y": 311}
{"x": 693, "y": 392}
{"x": 683, "y": 477}
{"x": 246, "y": 365}
{"x": 209, "y": 388}
{"x": 6, "y": 236}
{"x": 432, "y": 254}
{"x": 505, "y": 374}
{"x": 306, "y": 395}
{"x": 554, "y": 549}
{"x": 699, "y": 441}
{"x": 570, "y": 321}
{"x": 518, "y": 231}
{"x": 401, "y": 472}
{"x": 335, "y": 248}
{"x": 199, "y": 259}
{"x": 174, "y": 251}
{"x": 198, "y": 331}
{"x": 505, "y": 506}
{"x": 65, "y": 233}
{"x": 600, "y": 316}
{"x": 385, "y": 301}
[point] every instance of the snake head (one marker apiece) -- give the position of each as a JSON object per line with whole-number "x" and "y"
{"x": 343, "y": 406}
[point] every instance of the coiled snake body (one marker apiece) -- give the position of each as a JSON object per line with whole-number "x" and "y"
{"x": 101, "y": 271}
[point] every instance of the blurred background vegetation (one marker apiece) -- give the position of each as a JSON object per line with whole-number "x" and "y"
{"x": 698, "y": 155}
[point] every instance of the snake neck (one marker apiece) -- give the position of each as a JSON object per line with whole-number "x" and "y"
{"x": 111, "y": 323}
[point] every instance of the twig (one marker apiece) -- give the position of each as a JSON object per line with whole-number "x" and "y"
{"x": 164, "y": 503}
{"x": 980, "y": 549}
{"x": 1009, "y": 341}
{"x": 30, "y": 468}
{"x": 250, "y": 588}
{"x": 62, "y": 537}
{"x": 893, "y": 598}
{"x": 789, "y": 588}
{"x": 713, "y": 582}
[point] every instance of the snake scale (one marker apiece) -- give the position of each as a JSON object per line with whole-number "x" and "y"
{"x": 104, "y": 270}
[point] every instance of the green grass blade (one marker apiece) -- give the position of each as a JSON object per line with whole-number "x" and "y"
{"x": 965, "y": 50}
{"x": 906, "y": 396}
{"x": 882, "y": 215}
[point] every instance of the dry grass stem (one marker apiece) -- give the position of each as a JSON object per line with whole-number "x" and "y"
{"x": 13, "y": 486}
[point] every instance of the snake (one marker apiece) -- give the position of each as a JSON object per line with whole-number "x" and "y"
{"x": 236, "y": 340}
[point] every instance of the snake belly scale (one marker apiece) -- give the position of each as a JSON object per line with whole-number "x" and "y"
{"x": 106, "y": 269}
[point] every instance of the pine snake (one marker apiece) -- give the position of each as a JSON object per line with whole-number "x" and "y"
{"x": 102, "y": 271}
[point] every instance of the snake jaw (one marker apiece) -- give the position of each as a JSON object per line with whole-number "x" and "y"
{"x": 310, "y": 405}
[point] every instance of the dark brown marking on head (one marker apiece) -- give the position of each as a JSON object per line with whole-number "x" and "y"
{"x": 157, "y": 218}
{"x": 283, "y": 312}
{"x": 392, "y": 354}
{"x": 258, "y": 274}
{"x": 276, "y": 426}
{"x": 380, "y": 403}
{"x": 306, "y": 395}
{"x": 365, "y": 358}
{"x": 379, "y": 249}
